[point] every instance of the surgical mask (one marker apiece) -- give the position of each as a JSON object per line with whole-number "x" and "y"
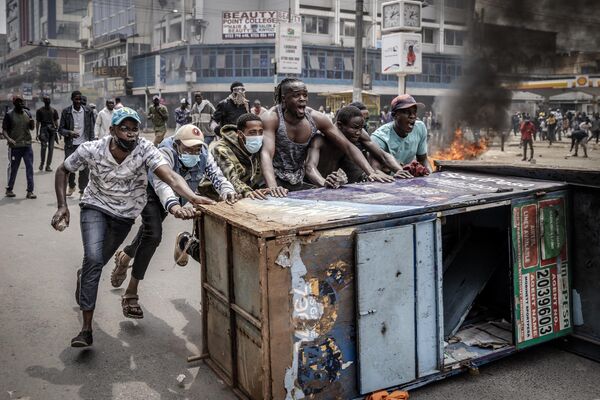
{"x": 189, "y": 160}
{"x": 253, "y": 144}
{"x": 125, "y": 145}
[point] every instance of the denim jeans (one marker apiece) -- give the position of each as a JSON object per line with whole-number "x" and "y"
{"x": 15, "y": 156}
{"x": 148, "y": 236}
{"x": 102, "y": 234}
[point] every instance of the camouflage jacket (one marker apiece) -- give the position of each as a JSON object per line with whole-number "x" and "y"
{"x": 240, "y": 168}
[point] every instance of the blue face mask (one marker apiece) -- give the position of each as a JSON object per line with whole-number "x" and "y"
{"x": 189, "y": 160}
{"x": 253, "y": 143}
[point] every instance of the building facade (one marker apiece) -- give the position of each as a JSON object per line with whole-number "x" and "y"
{"x": 38, "y": 31}
{"x": 214, "y": 58}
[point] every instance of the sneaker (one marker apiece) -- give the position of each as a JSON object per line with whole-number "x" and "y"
{"x": 78, "y": 285}
{"x": 9, "y": 193}
{"x": 31, "y": 195}
{"x": 181, "y": 257}
{"x": 70, "y": 191}
{"x": 48, "y": 169}
{"x": 84, "y": 339}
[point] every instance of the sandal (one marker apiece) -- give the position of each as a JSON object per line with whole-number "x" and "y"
{"x": 119, "y": 272}
{"x": 131, "y": 308}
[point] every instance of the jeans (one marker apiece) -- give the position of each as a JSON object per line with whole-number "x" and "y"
{"x": 148, "y": 236}
{"x": 83, "y": 174}
{"x": 102, "y": 234}
{"x": 16, "y": 154}
{"x": 47, "y": 138}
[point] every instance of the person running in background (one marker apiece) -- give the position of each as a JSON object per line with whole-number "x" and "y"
{"x": 77, "y": 127}
{"x": 103, "y": 121}
{"x": 16, "y": 128}
{"x": 158, "y": 114}
{"x": 46, "y": 128}
{"x": 119, "y": 165}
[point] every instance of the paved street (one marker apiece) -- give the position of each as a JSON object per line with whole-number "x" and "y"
{"x": 141, "y": 360}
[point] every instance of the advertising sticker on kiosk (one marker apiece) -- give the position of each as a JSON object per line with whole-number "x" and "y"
{"x": 541, "y": 269}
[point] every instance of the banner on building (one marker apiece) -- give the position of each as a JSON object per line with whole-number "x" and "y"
{"x": 113, "y": 72}
{"x": 401, "y": 53}
{"x": 289, "y": 48}
{"x": 160, "y": 68}
{"x": 252, "y": 24}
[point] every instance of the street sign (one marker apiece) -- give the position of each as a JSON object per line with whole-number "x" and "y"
{"x": 289, "y": 48}
{"x": 27, "y": 90}
{"x": 401, "y": 53}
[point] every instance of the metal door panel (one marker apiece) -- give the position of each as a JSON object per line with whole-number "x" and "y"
{"x": 386, "y": 307}
{"x": 398, "y": 304}
{"x": 429, "y": 293}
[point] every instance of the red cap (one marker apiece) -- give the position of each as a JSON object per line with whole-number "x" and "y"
{"x": 404, "y": 101}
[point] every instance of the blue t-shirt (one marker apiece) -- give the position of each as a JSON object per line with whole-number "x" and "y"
{"x": 403, "y": 149}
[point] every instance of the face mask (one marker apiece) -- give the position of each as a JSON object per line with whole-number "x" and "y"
{"x": 125, "y": 145}
{"x": 189, "y": 160}
{"x": 253, "y": 144}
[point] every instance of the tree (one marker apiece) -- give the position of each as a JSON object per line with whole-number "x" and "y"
{"x": 48, "y": 72}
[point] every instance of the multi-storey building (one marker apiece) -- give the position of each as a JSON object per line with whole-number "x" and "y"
{"x": 217, "y": 58}
{"x": 38, "y": 31}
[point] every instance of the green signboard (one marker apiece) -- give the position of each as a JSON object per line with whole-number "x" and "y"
{"x": 541, "y": 269}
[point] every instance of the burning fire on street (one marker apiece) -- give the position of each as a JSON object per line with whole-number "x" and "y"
{"x": 461, "y": 148}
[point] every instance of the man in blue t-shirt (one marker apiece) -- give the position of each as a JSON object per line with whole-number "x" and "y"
{"x": 405, "y": 137}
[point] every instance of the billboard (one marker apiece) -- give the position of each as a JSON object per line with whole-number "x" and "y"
{"x": 289, "y": 48}
{"x": 252, "y": 24}
{"x": 401, "y": 53}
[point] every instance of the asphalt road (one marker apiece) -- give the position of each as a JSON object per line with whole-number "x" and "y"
{"x": 142, "y": 359}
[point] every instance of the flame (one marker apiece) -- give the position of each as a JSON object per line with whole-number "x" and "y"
{"x": 461, "y": 149}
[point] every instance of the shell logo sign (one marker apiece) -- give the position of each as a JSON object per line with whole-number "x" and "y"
{"x": 581, "y": 81}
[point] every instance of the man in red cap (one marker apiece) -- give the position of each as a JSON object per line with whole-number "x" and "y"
{"x": 405, "y": 137}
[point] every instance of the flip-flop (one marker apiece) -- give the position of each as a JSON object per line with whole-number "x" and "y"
{"x": 119, "y": 272}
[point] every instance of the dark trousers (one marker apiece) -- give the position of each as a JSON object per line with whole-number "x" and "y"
{"x": 148, "y": 237}
{"x": 595, "y": 134}
{"x": 527, "y": 142}
{"x": 102, "y": 234}
{"x": 16, "y": 154}
{"x": 83, "y": 174}
{"x": 47, "y": 138}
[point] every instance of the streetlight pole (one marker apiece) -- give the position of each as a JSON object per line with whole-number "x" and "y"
{"x": 185, "y": 36}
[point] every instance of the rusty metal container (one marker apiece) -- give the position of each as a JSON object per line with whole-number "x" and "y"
{"x": 332, "y": 294}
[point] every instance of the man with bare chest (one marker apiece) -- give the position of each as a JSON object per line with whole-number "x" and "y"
{"x": 289, "y": 129}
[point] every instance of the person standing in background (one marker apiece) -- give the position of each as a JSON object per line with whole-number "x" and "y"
{"x": 77, "y": 127}
{"x": 182, "y": 114}
{"x": 102, "y": 126}
{"x": 16, "y": 128}
{"x": 202, "y": 111}
{"x": 158, "y": 114}
{"x": 46, "y": 126}
{"x": 258, "y": 109}
{"x": 230, "y": 109}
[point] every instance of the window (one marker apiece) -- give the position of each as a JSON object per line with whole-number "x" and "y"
{"x": 460, "y": 4}
{"x": 76, "y": 7}
{"x": 453, "y": 38}
{"x": 428, "y": 35}
{"x": 314, "y": 24}
{"x": 347, "y": 28}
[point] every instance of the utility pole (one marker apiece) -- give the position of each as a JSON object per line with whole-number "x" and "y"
{"x": 357, "y": 82}
{"x": 185, "y": 35}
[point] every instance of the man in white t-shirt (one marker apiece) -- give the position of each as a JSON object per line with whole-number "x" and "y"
{"x": 103, "y": 121}
{"x": 116, "y": 194}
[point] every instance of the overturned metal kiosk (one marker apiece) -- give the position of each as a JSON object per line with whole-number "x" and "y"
{"x": 333, "y": 294}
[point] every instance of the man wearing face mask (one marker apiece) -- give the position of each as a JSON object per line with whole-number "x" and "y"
{"x": 187, "y": 155}
{"x": 116, "y": 195}
{"x": 237, "y": 155}
{"x": 230, "y": 109}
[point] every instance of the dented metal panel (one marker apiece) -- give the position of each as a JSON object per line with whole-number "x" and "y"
{"x": 385, "y": 272}
{"x": 246, "y": 286}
